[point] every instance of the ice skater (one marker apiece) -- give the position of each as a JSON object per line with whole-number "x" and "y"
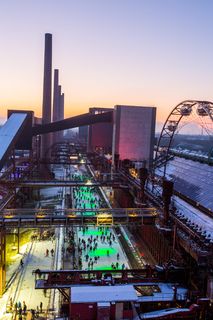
{"x": 21, "y": 263}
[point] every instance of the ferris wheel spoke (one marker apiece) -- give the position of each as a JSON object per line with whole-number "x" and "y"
{"x": 199, "y": 113}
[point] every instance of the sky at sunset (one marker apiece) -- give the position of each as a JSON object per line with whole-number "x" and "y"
{"x": 134, "y": 52}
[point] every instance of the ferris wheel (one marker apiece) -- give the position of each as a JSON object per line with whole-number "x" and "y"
{"x": 188, "y": 112}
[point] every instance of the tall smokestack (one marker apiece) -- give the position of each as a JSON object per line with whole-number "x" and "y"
{"x": 57, "y": 134}
{"x": 55, "y": 96}
{"x": 47, "y": 90}
{"x": 55, "y": 103}
{"x": 61, "y": 115}
{"x": 62, "y": 107}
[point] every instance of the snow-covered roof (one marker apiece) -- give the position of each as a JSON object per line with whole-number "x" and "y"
{"x": 103, "y": 304}
{"x": 103, "y": 294}
{"x": 166, "y": 292}
{"x": 162, "y": 313}
{"x": 191, "y": 178}
{"x": 8, "y": 133}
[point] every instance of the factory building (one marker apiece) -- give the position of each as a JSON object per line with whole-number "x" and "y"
{"x": 100, "y": 134}
{"x": 134, "y": 132}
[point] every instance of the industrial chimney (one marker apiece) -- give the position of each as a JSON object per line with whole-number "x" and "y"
{"x": 47, "y": 91}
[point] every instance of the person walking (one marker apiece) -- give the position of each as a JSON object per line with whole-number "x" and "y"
{"x": 37, "y": 312}
{"x": 24, "y": 307}
{"x": 16, "y": 306}
{"x": 11, "y": 304}
{"x": 41, "y": 306}
{"x": 33, "y": 313}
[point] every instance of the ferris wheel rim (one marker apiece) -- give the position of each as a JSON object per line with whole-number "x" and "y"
{"x": 165, "y": 134}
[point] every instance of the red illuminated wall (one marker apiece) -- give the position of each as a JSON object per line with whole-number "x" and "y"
{"x": 134, "y": 132}
{"x": 100, "y": 134}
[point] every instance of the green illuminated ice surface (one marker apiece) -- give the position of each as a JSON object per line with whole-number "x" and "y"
{"x": 95, "y": 232}
{"x": 102, "y": 252}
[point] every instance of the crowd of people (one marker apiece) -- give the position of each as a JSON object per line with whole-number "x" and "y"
{"x": 22, "y": 312}
{"x": 88, "y": 246}
{"x": 87, "y": 197}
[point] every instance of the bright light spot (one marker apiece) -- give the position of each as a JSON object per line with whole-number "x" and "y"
{"x": 8, "y": 215}
{"x": 89, "y": 182}
{"x": 71, "y": 215}
{"x": 40, "y": 215}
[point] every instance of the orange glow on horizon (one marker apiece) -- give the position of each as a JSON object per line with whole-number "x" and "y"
{"x": 74, "y": 109}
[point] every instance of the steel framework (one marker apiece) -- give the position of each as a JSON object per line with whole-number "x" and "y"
{"x": 65, "y": 278}
{"x": 35, "y": 218}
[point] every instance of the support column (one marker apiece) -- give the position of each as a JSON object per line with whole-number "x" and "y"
{"x": 18, "y": 238}
{"x": 166, "y": 195}
{"x": 143, "y": 175}
{"x": 2, "y": 260}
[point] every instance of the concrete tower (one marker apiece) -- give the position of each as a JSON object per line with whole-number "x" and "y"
{"x": 61, "y": 115}
{"x": 59, "y": 98}
{"x": 47, "y": 91}
{"x": 58, "y": 106}
{"x": 58, "y": 111}
{"x": 55, "y": 103}
{"x": 62, "y": 107}
{"x": 55, "y": 96}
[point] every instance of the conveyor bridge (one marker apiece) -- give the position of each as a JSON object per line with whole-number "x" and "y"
{"x": 48, "y": 279}
{"x": 35, "y": 218}
{"x": 62, "y": 183}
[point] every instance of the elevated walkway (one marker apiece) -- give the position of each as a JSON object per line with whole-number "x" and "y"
{"x": 76, "y": 217}
{"x": 61, "y": 183}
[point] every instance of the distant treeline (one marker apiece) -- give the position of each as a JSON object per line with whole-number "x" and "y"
{"x": 202, "y": 143}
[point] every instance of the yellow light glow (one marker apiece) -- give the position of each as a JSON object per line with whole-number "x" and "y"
{"x": 71, "y": 215}
{"x": 8, "y": 215}
{"x": 40, "y": 215}
{"x": 104, "y": 215}
{"x": 133, "y": 214}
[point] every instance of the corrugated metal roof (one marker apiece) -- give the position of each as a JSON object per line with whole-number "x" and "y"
{"x": 9, "y": 133}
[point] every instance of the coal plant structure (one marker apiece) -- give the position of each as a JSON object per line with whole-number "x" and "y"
{"x": 104, "y": 233}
